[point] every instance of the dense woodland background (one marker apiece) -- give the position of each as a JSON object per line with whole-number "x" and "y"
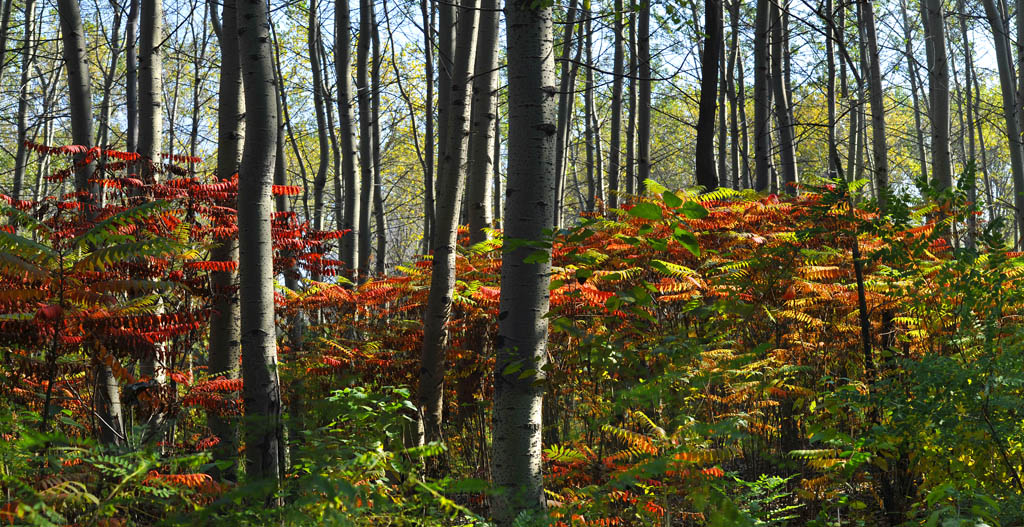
{"x": 389, "y": 263}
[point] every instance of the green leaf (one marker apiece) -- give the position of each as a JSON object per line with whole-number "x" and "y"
{"x": 694, "y": 210}
{"x": 670, "y": 199}
{"x": 647, "y": 211}
{"x": 689, "y": 242}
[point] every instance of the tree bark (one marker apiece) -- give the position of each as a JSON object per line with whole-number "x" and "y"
{"x": 783, "y": 110}
{"x": 323, "y": 164}
{"x": 912, "y": 70}
{"x": 1004, "y": 61}
{"x": 74, "y": 52}
{"x": 615, "y": 135}
{"x": 879, "y": 149}
{"x": 482, "y": 138}
{"x": 5, "y": 27}
{"x": 704, "y": 166}
{"x": 261, "y": 387}
{"x": 24, "y": 91}
{"x": 132, "y": 77}
{"x": 365, "y": 134}
{"x": 938, "y": 94}
{"x": 225, "y": 332}
{"x": 522, "y": 328}
{"x": 566, "y": 98}
{"x": 347, "y": 139}
{"x": 631, "y": 124}
{"x": 150, "y": 89}
{"x": 428, "y": 134}
{"x": 643, "y": 45}
{"x": 380, "y": 221}
{"x": 762, "y": 96}
{"x": 451, "y": 185}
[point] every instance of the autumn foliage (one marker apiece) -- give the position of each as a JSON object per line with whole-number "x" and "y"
{"x": 698, "y": 343}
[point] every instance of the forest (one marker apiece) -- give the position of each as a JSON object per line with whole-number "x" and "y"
{"x": 587, "y": 263}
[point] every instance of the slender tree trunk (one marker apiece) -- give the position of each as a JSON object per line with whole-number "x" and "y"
{"x": 643, "y": 44}
{"x": 996, "y": 17}
{"x": 261, "y": 387}
{"x": 912, "y": 69}
{"x": 704, "y": 165}
{"x": 150, "y": 90}
{"x": 938, "y": 94}
{"x": 24, "y": 92}
{"x": 830, "y": 81}
{"x": 730, "y": 86}
{"x": 631, "y": 124}
{"x": 132, "y": 77}
{"x": 762, "y": 96}
{"x": 380, "y": 221}
{"x": 566, "y": 98}
{"x": 496, "y": 194}
{"x": 482, "y": 138}
{"x": 615, "y": 137}
{"x": 447, "y": 15}
{"x": 5, "y": 27}
{"x": 428, "y": 135}
{"x": 225, "y": 337}
{"x": 741, "y": 101}
{"x": 723, "y": 122}
{"x": 588, "y": 110}
{"x": 880, "y": 152}
{"x": 323, "y": 165}
{"x": 783, "y": 111}
{"x": 197, "y": 83}
{"x": 74, "y": 52}
{"x": 452, "y": 180}
{"x": 522, "y": 326}
{"x": 343, "y": 68}
{"x": 968, "y": 107}
{"x": 365, "y": 134}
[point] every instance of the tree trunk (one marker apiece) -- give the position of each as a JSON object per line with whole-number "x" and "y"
{"x": 783, "y": 110}
{"x": 762, "y": 96}
{"x": 523, "y": 326}
{"x": 150, "y": 90}
{"x": 380, "y": 221}
{"x": 615, "y": 136}
{"x": 320, "y": 180}
{"x": 912, "y": 69}
{"x": 428, "y": 135}
{"x": 1006, "y": 82}
{"x": 261, "y": 387}
{"x": 830, "y": 93}
{"x": 879, "y": 149}
{"x": 485, "y": 108}
{"x": 631, "y": 124}
{"x": 643, "y": 45}
{"x": 588, "y": 111}
{"x": 132, "y": 77}
{"x": 5, "y": 27}
{"x": 723, "y": 123}
{"x": 343, "y": 68}
{"x": 365, "y": 134}
{"x": 24, "y": 91}
{"x": 566, "y": 97}
{"x": 451, "y": 182}
{"x": 366, "y": 147}
{"x": 730, "y": 86}
{"x": 938, "y": 94}
{"x": 74, "y": 51}
{"x": 704, "y": 166}
{"x": 224, "y": 329}
{"x": 447, "y": 14}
